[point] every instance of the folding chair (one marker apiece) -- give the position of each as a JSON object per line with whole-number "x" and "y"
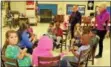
{"x": 64, "y": 40}
{"x": 49, "y": 61}
{"x": 8, "y": 62}
{"x": 83, "y": 54}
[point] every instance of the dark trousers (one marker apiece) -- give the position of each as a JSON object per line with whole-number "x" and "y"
{"x": 72, "y": 31}
{"x": 101, "y": 34}
{"x": 29, "y": 50}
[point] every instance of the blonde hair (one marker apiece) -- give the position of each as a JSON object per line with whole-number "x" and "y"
{"x": 76, "y": 29}
{"x": 103, "y": 5}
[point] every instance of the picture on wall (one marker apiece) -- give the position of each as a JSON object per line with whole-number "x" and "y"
{"x": 70, "y": 6}
{"x": 90, "y": 5}
{"x": 52, "y": 7}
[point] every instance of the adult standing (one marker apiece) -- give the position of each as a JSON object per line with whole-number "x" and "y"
{"x": 75, "y": 18}
{"x": 102, "y": 20}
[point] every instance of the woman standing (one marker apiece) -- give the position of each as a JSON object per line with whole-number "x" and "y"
{"x": 102, "y": 20}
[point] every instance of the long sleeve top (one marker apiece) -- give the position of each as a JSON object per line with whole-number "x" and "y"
{"x": 75, "y": 18}
{"x": 58, "y": 32}
{"x": 25, "y": 42}
{"x": 102, "y": 20}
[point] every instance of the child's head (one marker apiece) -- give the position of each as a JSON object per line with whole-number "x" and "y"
{"x": 92, "y": 32}
{"x": 77, "y": 25}
{"x": 86, "y": 30}
{"x": 57, "y": 24}
{"x": 51, "y": 25}
{"x": 11, "y": 37}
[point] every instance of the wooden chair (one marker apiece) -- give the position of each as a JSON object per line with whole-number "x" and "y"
{"x": 92, "y": 54}
{"x": 83, "y": 54}
{"x": 50, "y": 61}
{"x": 15, "y": 20}
{"x": 59, "y": 18}
{"x": 8, "y": 62}
{"x": 64, "y": 40}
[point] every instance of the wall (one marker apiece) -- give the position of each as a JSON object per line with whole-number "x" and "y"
{"x": 21, "y": 6}
{"x": 18, "y": 6}
{"x": 62, "y": 6}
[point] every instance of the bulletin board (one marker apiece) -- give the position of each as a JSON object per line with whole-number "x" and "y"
{"x": 109, "y": 10}
{"x": 52, "y": 7}
{"x": 70, "y": 6}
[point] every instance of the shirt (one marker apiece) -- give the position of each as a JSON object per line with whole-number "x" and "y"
{"x": 94, "y": 40}
{"x": 25, "y": 40}
{"x": 75, "y": 18}
{"x": 58, "y": 32}
{"x": 82, "y": 48}
{"x": 102, "y": 19}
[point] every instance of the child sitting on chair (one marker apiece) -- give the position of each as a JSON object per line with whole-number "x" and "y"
{"x": 44, "y": 49}
{"x": 12, "y": 50}
{"x": 76, "y": 52}
{"x": 32, "y": 36}
{"x": 58, "y": 32}
{"x": 77, "y": 34}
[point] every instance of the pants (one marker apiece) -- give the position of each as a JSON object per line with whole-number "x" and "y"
{"x": 57, "y": 41}
{"x": 101, "y": 34}
{"x": 29, "y": 50}
{"x": 72, "y": 31}
{"x": 67, "y": 59}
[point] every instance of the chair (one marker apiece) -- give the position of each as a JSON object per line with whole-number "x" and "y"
{"x": 83, "y": 54}
{"x": 59, "y": 18}
{"x": 93, "y": 50}
{"x": 92, "y": 54}
{"x": 48, "y": 61}
{"x": 64, "y": 39}
{"x": 15, "y": 21}
{"x": 12, "y": 62}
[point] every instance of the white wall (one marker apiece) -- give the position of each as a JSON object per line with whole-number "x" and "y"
{"x": 21, "y": 6}
{"x": 18, "y": 6}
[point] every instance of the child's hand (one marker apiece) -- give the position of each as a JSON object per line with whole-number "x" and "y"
{"x": 24, "y": 50}
{"x": 75, "y": 48}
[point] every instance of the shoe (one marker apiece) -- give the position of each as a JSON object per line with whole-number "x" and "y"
{"x": 58, "y": 46}
{"x": 98, "y": 56}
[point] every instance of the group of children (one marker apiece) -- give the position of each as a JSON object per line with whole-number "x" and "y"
{"x": 27, "y": 38}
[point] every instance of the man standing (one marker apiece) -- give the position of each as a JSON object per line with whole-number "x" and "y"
{"x": 74, "y": 18}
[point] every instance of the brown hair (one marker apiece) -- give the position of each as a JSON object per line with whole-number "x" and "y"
{"x": 6, "y": 42}
{"x": 86, "y": 30}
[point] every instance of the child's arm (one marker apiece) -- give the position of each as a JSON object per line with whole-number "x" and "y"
{"x": 75, "y": 54}
{"x": 22, "y": 53}
{"x": 21, "y": 56}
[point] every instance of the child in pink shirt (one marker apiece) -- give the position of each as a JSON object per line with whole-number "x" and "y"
{"x": 44, "y": 48}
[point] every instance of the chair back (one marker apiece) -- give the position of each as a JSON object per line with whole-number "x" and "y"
{"x": 8, "y": 62}
{"x": 65, "y": 33}
{"x": 48, "y": 61}
{"x": 84, "y": 56}
{"x": 59, "y": 18}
